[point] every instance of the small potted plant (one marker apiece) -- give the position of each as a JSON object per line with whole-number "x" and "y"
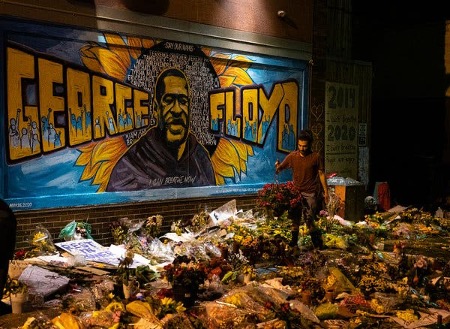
{"x": 18, "y": 293}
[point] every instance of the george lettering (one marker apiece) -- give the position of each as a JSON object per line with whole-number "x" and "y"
{"x": 70, "y": 106}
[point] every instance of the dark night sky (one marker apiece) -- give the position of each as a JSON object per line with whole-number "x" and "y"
{"x": 405, "y": 44}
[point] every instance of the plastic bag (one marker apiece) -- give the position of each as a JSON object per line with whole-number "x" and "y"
{"x": 42, "y": 242}
{"x": 76, "y": 231}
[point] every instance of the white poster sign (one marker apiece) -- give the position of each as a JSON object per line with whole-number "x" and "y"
{"x": 341, "y": 129}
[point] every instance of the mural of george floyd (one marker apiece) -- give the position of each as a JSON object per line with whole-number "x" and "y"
{"x": 96, "y": 117}
{"x": 410, "y": 50}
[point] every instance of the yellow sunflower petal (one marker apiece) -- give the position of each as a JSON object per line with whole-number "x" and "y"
{"x": 103, "y": 60}
{"x": 85, "y": 154}
{"x": 136, "y": 46}
{"x": 148, "y": 43}
{"x": 242, "y": 77}
{"x": 222, "y": 168}
{"x": 220, "y": 180}
{"x": 124, "y": 55}
{"x": 90, "y": 59}
{"x": 226, "y": 81}
{"x": 241, "y": 58}
{"x": 221, "y": 56}
{"x": 113, "y": 64}
{"x": 114, "y": 39}
{"x": 99, "y": 160}
{"x": 104, "y": 172}
{"x": 229, "y": 159}
{"x": 243, "y": 149}
{"x": 219, "y": 65}
{"x": 207, "y": 51}
{"x": 90, "y": 170}
{"x": 226, "y": 152}
{"x": 109, "y": 149}
{"x": 243, "y": 165}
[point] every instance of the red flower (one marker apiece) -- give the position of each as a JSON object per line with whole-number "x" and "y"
{"x": 20, "y": 254}
{"x": 280, "y": 196}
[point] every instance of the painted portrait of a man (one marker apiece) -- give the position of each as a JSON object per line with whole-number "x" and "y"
{"x": 167, "y": 155}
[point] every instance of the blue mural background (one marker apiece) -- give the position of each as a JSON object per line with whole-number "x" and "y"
{"x": 53, "y": 180}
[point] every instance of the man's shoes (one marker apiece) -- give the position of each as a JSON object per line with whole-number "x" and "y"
{"x": 5, "y": 308}
{"x": 294, "y": 240}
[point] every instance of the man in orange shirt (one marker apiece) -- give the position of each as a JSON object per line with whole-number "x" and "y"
{"x": 308, "y": 175}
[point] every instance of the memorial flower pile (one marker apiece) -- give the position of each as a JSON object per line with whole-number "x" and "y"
{"x": 354, "y": 283}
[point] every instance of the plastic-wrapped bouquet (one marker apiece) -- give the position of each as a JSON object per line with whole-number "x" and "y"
{"x": 76, "y": 231}
{"x": 196, "y": 224}
{"x": 152, "y": 225}
{"x": 42, "y": 242}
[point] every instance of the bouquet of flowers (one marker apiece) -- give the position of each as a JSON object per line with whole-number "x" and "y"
{"x": 195, "y": 224}
{"x": 152, "y": 225}
{"x": 119, "y": 231}
{"x": 279, "y": 196}
{"x": 185, "y": 271}
{"x": 41, "y": 241}
{"x": 14, "y": 286}
{"x": 76, "y": 231}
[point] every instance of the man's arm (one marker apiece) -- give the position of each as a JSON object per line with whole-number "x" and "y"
{"x": 283, "y": 165}
{"x": 279, "y": 167}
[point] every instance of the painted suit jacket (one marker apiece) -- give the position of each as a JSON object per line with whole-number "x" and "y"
{"x": 150, "y": 163}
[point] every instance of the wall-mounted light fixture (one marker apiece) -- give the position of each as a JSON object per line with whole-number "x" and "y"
{"x": 281, "y": 13}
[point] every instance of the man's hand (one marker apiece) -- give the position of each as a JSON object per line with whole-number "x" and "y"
{"x": 277, "y": 163}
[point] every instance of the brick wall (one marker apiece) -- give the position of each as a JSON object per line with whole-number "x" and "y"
{"x": 100, "y": 217}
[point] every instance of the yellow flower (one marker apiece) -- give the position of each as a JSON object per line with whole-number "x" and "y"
{"x": 303, "y": 230}
{"x": 331, "y": 281}
{"x": 407, "y": 315}
{"x": 166, "y": 301}
{"x": 113, "y": 59}
{"x": 180, "y": 308}
{"x": 238, "y": 238}
{"x": 39, "y": 238}
{"x": 376, "y": 306}
{"x": 355, "y": 322}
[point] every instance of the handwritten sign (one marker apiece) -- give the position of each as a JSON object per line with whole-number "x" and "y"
{"x": 341, "y": 129}
{"x": 91, "y": 250}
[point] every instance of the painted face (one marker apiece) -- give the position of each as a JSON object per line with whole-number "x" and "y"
{"x": 303, "y": 147}
{"x": 174, "y": 110}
